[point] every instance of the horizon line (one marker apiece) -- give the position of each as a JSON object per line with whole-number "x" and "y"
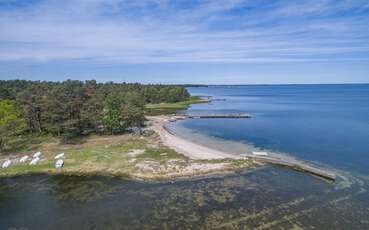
{"x": 193, "y": 84}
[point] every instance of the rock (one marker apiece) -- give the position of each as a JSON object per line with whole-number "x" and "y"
{"x": 135, "y": 152}
{"x": 34, "y": 161}
{"x": 37, "y": 155}
{"x": 59, "y": 156}
{"x": 59, "y": 164}
{"x": 23, "y": 159}
{"x": 6, "y": 164}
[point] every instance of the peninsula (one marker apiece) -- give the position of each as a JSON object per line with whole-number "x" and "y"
{"x": 114, "y": 133}
{"x": 112, "y": 129}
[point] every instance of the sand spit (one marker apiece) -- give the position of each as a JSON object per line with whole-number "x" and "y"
{"x": 189, "y": 149}
{"x": 199, "y": 152}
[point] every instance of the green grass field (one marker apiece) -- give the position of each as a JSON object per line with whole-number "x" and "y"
{"x": 109, "y": 154}
{"x": 167, "y": 108}
{"x": 127, "y": 156}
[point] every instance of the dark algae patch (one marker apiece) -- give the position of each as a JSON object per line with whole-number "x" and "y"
{"x": 268, "y": 198}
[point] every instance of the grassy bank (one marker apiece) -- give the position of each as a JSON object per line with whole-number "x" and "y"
{"x": 139, "y": 157}
{"x": 96, "y": 153}
{"x": 167, "y": 108}
{"x": 142, "y": 157}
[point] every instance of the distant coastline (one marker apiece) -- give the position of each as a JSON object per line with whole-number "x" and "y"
{"x": 275, "y": 84}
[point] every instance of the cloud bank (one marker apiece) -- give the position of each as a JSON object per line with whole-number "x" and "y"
{"x": 162, "y": 31}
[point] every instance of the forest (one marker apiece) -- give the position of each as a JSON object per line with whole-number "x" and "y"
{"x": 74, "y": 108}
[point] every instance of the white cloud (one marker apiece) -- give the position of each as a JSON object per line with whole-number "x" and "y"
{"x": 176, "y": 31}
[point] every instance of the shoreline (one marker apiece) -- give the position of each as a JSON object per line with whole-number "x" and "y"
{"x": 186, "y": 147}
{"x": 159, "y": 156}
{"x": 137, "y": 178}
{"x": 221, "y": 169}
{"x": 155, "y": 156}
{"x": 198, "y": 151}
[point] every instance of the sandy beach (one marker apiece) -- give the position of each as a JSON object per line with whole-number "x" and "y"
{"x": 183, "y": 146}
{"x": 199, "y": 152}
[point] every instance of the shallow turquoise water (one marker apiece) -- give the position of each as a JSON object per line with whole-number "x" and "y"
{"x": 324, "y": 124}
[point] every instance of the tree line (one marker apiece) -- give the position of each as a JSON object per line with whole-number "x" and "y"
{"x": 72, "y": 108}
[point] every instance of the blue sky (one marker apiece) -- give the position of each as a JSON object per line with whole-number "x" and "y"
{"x": 192, "y": 41}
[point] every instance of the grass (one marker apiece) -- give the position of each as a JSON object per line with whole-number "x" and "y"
{"x": 121, "y": 155}
{"x": 26, "y": 142}
{"x": 238, "y": 163}
{"x": 25, "y": 169}
{"x": 165, "y": 108}
{"x": 105, "y": 154}
{"x": 159, "y": 154}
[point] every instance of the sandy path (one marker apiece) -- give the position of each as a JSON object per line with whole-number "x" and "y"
{"x": 181, "y": 145}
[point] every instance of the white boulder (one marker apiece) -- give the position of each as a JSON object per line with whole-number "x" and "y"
{"x": 6, "y": 164}
{"x": 37, "y": 155}
{"x": 23, "y": 159}
{"x": 59, "y": 156}
{"x": 34, "y": 161}
{"x": 59, "y": 164}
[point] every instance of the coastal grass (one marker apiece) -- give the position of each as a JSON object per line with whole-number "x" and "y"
{"x": 160, "y": 153}
{"x": 237, "y": 163}
{"x": 26, "y": 142}
{"x": 127, "y": 155}
{"x": 167, "y": 108}
{"x": 24, "y": 169}
{"x": 110, "y": 154}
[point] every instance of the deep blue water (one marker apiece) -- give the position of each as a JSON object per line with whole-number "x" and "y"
{"x": 322, "y": 123}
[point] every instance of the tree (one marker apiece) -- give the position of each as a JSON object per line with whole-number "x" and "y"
{"x": 74, "y": 99}
{"x": 133, "y": 110}
{"x": 92, "y": 110}
{"x": 72, "y": 108}
{"x": 123, "y": 111}
{"x": 11, "y": 121}
{"x": 53, "y": 107}
{"x": 31, "y": 100}
{"x": 112, "y": 113}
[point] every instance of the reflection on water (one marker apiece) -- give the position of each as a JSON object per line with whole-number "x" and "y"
{"x": 271, "y": 198}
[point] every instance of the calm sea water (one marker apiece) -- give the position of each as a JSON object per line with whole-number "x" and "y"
{"x": 328, "y": 125}
{"x": 323, "y": 123}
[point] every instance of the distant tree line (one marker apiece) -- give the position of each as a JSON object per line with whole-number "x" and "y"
{"x": 73, "y": 108}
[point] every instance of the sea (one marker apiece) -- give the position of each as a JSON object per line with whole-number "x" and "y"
{"x": 324, "y": 125}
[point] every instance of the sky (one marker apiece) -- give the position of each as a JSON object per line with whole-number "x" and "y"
{"x": 186, "y": 41}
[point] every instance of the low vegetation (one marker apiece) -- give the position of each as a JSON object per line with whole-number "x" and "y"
{"x": 127, "y": 155}
{"x": 168, "y": 108}
{"x": 93, "y": 154}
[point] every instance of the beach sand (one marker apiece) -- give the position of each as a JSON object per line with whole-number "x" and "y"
{"x": 191, "y": 150}
{"x": 199, "y": 152}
